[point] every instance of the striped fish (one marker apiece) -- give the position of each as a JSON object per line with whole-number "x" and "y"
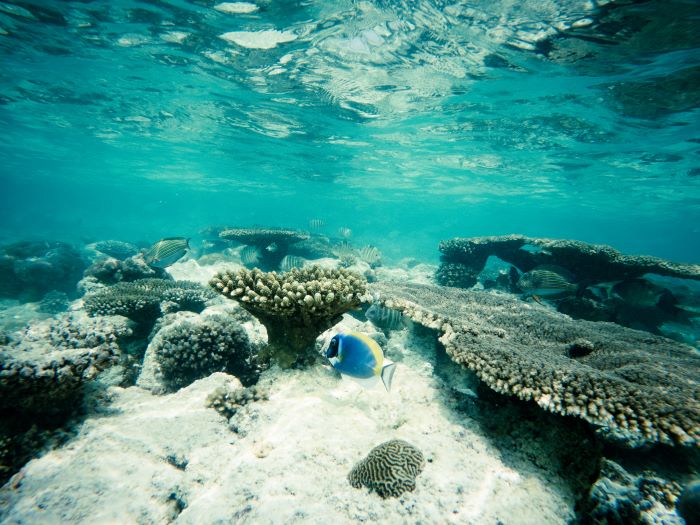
{"x": 291, "y": 261}
{"x": 250, "y": 255}
{"x": 316, "y": 224}
{"x": 370, "y": 254}
{"x": 344, "y": 232}
{"x": 166, "y": 251}
{"x": 546, "y": 281}
{"x": 383, "y": 317}
{"x": 343, "y": 249}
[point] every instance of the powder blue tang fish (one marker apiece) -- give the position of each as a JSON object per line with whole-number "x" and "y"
{"x": 359, "y": 356}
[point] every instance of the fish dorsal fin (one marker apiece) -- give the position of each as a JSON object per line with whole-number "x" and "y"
{"x": 388, "y": 374}
{"x": 566, "y": 274}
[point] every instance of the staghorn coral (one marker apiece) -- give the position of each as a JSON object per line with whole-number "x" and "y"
{"x": 294, "y": 306}
{"x": 635, "y": 387}
{"x": 390, "y": 469}
{"x": 143, "y": 301}
{"x": 196, "y": 347}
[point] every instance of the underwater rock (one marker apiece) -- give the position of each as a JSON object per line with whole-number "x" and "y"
{"x": 29, "y": 270}
{"x": 53, "y": 302}
{"x": 110, "y": 270}
{"x": 390, "y": 469}
{"x": 688, "y": 505}
{"x": 636, "y": 388}
{"x": 191, "y": 347}
{"x": 588, "y": 262}
{"x": 43, "y": 371}
{"x": 145, "y": 300}
{"x": 227, "y": 401}
{"x": 295, "y": 306}
{"x": 272, "y": 243}
{"x": 117, "y": 249}
{"x": 618, "y": 497}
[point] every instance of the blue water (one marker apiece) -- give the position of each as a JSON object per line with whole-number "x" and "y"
{"x": 409, "y": 122}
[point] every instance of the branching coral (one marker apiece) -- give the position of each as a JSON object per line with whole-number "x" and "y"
{"x": 294, "y": 306}
{"x": 390, "y": 469}
{"x": 145, "y": 300}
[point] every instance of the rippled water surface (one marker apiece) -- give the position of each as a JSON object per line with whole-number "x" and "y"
{"x": 407, "y": 121}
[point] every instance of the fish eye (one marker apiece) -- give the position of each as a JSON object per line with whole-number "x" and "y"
{"x": 332, "y": 348}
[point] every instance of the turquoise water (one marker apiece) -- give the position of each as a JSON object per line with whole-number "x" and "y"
{"x": 409, "y": 122}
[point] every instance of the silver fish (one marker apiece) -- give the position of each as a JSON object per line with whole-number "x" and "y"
{"x": 317, "y": 224}
{"x": 272, "y": 247}
{"x": 344, "y": 232}
{"x": 370, "y": 254}
{"x": 546, "y": 281}
{"x": 291, "y": 261}
{"x": 250, "y": 255}
{"x": 343, "y": 249}
{"x": 166, "y": 251}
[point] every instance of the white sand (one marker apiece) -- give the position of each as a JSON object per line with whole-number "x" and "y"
{"x": 287, "y": 464}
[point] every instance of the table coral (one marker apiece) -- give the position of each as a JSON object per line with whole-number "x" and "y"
{"x": 294, "y": 306}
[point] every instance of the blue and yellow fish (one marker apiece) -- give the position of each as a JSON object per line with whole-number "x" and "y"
{"x": 358, "y": 356}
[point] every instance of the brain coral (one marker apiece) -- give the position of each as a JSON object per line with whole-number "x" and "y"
{"x": 145, "y": 300}
{"x": 294, "y": 306}
{"x": 390, "y": 469}
{"x": 637, "y": 388}
{"x": 196, "y": 347}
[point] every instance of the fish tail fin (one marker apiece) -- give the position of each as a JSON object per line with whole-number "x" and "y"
{"x": 388, "y": 374}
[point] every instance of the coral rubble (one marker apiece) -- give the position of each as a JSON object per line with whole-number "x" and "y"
{"x": 295, "y": 306}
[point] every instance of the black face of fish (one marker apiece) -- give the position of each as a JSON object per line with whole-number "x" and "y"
{"x": 332, "y": 348}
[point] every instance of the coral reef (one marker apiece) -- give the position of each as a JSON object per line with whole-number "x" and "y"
{"x": 110, "y": 270}
{"x": 54, "y": 302}
{"x": 117, "y": 249}
{"x": 635, "y": 387}
{"x": 618, "y": 497}
{"x": 43, "y": 371}
{"x": 29, "y": 270}
{"x": 145, "y": 300}
{"x": 295, "y": 306}
{"x": 227, "y": 401}
{"x": 457, "y": 275}
{"x": 588, "y": 262}
{"x": 195, "y": 347}
{"x": 273, "y": 243}
{"x": 390, "y": 469}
